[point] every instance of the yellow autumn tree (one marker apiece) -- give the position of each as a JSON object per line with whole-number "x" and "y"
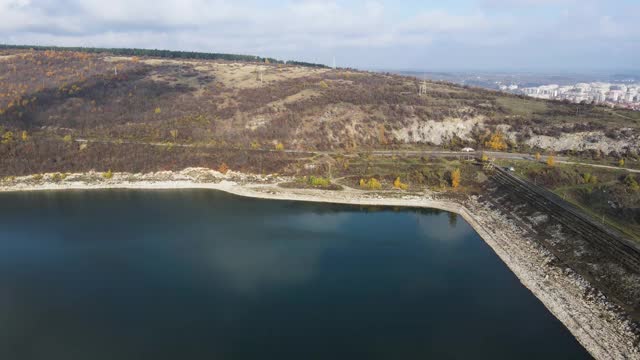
{"x": 621, "y": 162}
{"x": 399, "y": 185}
{"x": 371, "y": 184}
{"x": 551, "y": 160}
{"x": 497, "y": 142}
{"x": 25, "y": 135}
{"x": 223, "y": 168}
{"x": 279, "y": 146}
{"x": 538, "y": 156}
{"x": 455, "y": 178}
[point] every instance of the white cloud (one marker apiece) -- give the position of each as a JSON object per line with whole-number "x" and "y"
{"x": 439, "y": 21}
{"x": 309, "y": 28}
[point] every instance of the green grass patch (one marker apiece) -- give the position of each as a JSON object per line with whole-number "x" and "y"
{"x": 523, "y": 107}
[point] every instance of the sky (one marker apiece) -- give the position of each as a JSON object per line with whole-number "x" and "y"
{"x": 462, "y": 35}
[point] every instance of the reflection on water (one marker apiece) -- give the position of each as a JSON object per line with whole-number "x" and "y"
{"x": 201, "y": 274}
{"x": 248, "y": 266}
{"x": 433, "y": 227}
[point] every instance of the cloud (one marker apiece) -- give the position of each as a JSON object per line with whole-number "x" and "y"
{"x": 441, "y": 21}
{"x": 363, "y": 33}
{"x": 524, "y": 3}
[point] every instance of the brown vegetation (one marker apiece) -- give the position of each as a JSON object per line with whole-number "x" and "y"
{"x": 149, "y": 108}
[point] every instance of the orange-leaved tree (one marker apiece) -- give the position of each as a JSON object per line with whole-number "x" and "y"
{"x": 497, "y": 142}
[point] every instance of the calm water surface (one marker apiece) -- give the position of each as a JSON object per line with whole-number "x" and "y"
{"x": 205, "y": 275}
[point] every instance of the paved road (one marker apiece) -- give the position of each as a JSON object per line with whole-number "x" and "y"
{"x": 436, "y": 153}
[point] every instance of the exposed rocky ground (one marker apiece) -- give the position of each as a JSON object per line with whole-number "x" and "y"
{"x": 601, "y": 326}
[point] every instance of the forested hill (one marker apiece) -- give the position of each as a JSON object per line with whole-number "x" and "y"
{"x": 169, "y": 54}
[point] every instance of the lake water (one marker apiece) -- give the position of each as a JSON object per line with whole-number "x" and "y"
{"x": 204, "y": 275}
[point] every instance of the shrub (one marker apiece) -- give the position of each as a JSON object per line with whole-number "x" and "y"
{"x": 484, "y": 157}
{"x": 371, "y": 184}
{"x": 399, "y": 185}
{"x": 318, "y": 181}
{"x": 223, "y": 168}
{"x": 107, "y": 175}
{"x": 279, "y": 146}
{"x": 7, "y": 137}
{"x": 174, "y": 134}
{"x": 67, "y": 138}
{"x": 551, "y": 161}
{"x": 631, "y": 183}
{"x": 621, "y": 162}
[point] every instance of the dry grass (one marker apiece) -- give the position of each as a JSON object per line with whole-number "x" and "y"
{"x": 225, "y": 105}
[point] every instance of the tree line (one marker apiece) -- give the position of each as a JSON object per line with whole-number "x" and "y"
{"x": 171, "y": 54}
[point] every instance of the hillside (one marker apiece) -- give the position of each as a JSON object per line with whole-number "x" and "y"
{"x": 99, "y": 119}
{"x": 74, "y": 111}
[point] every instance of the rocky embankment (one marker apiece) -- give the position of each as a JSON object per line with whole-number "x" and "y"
{"x": 601, "y": 327}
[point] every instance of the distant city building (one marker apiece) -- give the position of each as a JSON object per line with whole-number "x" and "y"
{"x": 622, "y": 95}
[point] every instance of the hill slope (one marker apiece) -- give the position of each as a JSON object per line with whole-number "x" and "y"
{"x": 127, "y": 106}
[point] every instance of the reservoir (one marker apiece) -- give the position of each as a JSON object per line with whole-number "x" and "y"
{"x": 199, "y": 274}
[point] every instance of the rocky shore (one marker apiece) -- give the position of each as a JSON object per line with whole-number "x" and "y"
{"x": 598, "y": 325}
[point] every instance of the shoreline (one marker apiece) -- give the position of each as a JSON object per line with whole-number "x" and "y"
{"x": 597, "y": 325}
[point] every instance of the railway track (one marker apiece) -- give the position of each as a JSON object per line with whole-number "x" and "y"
{"x": 606, "y": 240}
